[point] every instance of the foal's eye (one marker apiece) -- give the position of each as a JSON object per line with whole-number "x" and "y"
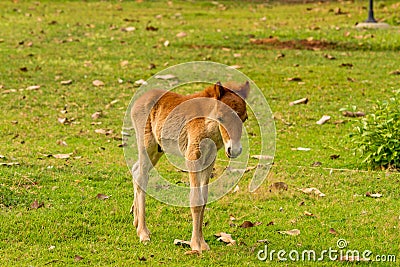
{"x": 220, "y": 119}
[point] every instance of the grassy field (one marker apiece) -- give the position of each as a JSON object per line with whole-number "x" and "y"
{"x": 52, "y": 51}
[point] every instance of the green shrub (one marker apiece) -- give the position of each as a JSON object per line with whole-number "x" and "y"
{"x": 377, "y": 136}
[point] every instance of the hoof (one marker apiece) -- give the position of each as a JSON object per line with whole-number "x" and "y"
{"x": 201, "y": 246}
{"x": 145, "y": 242}
{"x": 144, "y": 236}
{"x": 205, "y": 246}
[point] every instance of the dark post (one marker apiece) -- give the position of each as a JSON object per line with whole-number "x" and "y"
{"x": 371, "y": 18}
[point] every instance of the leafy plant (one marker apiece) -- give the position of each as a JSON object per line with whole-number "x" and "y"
{"x": 377, "y": 136}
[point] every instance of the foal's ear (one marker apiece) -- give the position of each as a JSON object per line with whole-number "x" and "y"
{"x": 216, "y": 91}
{"x": 244, "y": 90}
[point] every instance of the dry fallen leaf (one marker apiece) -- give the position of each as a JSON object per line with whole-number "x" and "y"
{"x": 280, "y": 55}
{"x": 61, "y": 156}
{"x": 324, "y": 119}
{"x": 128, "y": 29}
{"x": 103, "y": 131}
{"x": 316, "y": 164}
{"x": 294, "y": 79}
{"x": 67, "y": 82}
{"x": 98, "y": 83}
{"x": 115, "y": 101}
{"x": 301, "y": 148}
{"x": 36, "y": 205}
{"x": 293, "y": 232}
{"x": 96, "y": 115}
{"x": 312, "y": 190}
{"x": 235, "y": 67}
{"x": 226, "y": 238}
{"x": 250, "y": 168}
{"x": 307, "y": 213}
{"x": 9, "y": 91}
{"x": 248, "y": 224}
{"x": 373, "y": 195}
{"x": 353, "y": 114}
{"x": 179, "y": 242}
{"x": 165, "y": 77}
{"x": 338, "y": 11}
{"x": 32, "y": 87}
{"x": 329, "y": 57}
{"x": 333, "y": 231}
{"x": 88, "y": 64}
{"x": 102, "y": 196}
{"x": 124, "y": 63}
{"x": 235, "y": 170}
{"x": 78, "y": 258}
{"x": 151, "y": 66}
{"x": 9, "y": 163}
{"x": 278, "y": 186}
{"x": 299, "y": 101}
{"x": 236, "y": 189}
{"x": 266, "y": 157}
{"x": 181, "y": 34}
{"x": 140, "y": 82}
{"x": 349, "y": 65}
{"x": 395, "y": 72}
{"x": 63, "y": 120}
{"x": 151, "y": 28}
{"x": 334, "y": 156}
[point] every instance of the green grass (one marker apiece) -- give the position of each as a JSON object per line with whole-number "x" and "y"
{"x": 83, "y": 41}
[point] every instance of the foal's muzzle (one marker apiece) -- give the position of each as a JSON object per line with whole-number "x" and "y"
{"x": 233, "y": 153}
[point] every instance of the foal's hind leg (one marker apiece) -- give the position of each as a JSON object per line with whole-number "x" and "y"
{"x": 148, "y": 157}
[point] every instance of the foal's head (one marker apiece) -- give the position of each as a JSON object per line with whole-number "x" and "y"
{"x": 231, "y": 114}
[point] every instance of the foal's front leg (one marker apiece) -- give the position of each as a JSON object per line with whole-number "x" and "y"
{"x": 198, "y": 200}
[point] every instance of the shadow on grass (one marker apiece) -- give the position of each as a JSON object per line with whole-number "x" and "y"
{"x": 275, "y": 43}
{"x": 271, "y": 43}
